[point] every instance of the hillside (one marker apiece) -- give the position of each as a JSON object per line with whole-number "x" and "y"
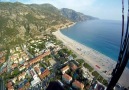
{"x": 19, "y": 22}
{"x": 75, "y": 16}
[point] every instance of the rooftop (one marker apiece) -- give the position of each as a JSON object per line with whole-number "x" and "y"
{"x": 65, "y": 68}
{"x": 27, "y": 84}
{"x": 14, "y": 65}
{"x": 38, "y": 58}
{"x": 11, "y": 88}
{"x": 73, "y": 67}
{"x": 66, "y": 76}
{"x": 99, "y": 87}
{"x": 2, "y": 60}
{"x": 9, "y": 84}
{"x": 78, "y": 84}
{"x": 44, "y": 74}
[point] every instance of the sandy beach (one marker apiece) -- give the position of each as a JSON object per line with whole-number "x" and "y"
{"x": 98, "y": 61}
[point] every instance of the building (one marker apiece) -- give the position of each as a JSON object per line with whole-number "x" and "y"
{"x": 27, "y": 85}
{"x": 22, "y": 76}
{"x": 70, "y": 57}
{"x": 23, "y": 84}
{"x": 48, "y": 45}
{"x": 14, "y": 66}
{"x": 37, "y": 70}
{"x": 44, "y": 74}
{"x": 10, "y": 85}
{"x": 78, "y": 85}
{"x": 22, "y": 67}
{"x": 64, "y": 69}
{"x": 14, "y": 57}
{"x": 98, "y": 86}
{"x": 14, "y": 79}
{"x": 11, "y": 88}
{"x": 66, "y": 78}
{"x": 35, "y": 81}
{"x": 73, "y": 66}
{"x": 2, "y": 60}
{"x": 38, "y": 58}
{"x": 1, "y": 54}
{"x": 33, "y": 73}
{"x": 52, "y": 62}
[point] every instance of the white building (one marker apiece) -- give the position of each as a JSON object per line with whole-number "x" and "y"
{"x": 48, "y": 45}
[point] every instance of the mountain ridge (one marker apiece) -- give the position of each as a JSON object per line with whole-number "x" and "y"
{"x": 20, "y": 22}
{"x": 75, "y": 16}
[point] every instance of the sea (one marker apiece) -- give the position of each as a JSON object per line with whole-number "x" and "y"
{"x": 101, "y": 35}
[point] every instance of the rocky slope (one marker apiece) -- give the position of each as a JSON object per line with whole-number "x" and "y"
{"x": 75, "y": 16}
{"x": 19, "y": 22}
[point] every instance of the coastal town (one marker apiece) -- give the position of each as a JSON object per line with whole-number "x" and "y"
{"x": 35, "y": 64}
{"x": 48, "y": 45}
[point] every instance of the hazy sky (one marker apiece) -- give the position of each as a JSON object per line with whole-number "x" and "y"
{"x": 103, "y": 9}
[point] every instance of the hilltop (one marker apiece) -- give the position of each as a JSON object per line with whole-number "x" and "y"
{"x": 75, "y": 16}
{"x": 20, "y": 22}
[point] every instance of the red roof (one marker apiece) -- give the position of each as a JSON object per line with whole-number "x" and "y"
{"x": 44, "y": 74}
{"x": 28, "y": 84}
{"x": 21, "y": 89}
{"x": 66, "y": 76}
{"x": 74, "y": 67}
{"x": 2, "y": 60}
{"x": 78, "y": 84}
{"x": 37, "y": 69}
{"x": 38, "y": 58}
{"x": 11, "y": 88}
{"x": 14, "y": 65}
{"x": 65, "y": 68}
{"x": 9, "y": 84}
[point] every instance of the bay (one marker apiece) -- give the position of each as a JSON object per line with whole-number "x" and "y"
{"x": 102, "y": 35}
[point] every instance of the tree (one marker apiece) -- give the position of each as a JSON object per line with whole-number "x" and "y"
{"x": 74, "y": 56}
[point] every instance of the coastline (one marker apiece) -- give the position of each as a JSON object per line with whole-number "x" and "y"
{"x": 93, "y": 58}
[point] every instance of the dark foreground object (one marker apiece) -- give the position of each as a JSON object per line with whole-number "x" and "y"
{"x": 54, "y": 86}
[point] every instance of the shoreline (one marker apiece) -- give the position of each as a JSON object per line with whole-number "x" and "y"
{"x": 93, "y": 58}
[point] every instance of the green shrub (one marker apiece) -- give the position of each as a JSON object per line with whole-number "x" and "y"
{"x": 88, "y": 67}
{"x": 95, "y": 73}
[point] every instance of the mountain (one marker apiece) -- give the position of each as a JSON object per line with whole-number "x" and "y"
{"x": 20, "y": 22}
{"x": 75, "y": 16}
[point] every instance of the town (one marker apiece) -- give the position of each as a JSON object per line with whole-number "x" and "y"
{"x": 35, "y": 64}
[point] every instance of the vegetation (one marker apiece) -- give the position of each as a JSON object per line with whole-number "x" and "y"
{"x": 100, "y": 79}
{"x": 105, "y": 82}
{"x": 16, "y": 72}
{"x": 95, "y": 73}
{"x": 74, "y": 56}
{"x": 80, "y": 61}
{"x": 34, "y": 22}
{"x": 42, "y": 65}
{"x": 88, "y": 67}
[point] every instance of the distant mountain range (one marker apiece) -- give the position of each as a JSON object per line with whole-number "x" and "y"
{"x": 20, "y": 22}
{"x": 75, "y": 16}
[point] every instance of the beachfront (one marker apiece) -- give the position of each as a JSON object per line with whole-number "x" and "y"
{"x": 98, "y": 61}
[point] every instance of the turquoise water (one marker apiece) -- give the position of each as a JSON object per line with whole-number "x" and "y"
{"x": 101, "y": 35}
